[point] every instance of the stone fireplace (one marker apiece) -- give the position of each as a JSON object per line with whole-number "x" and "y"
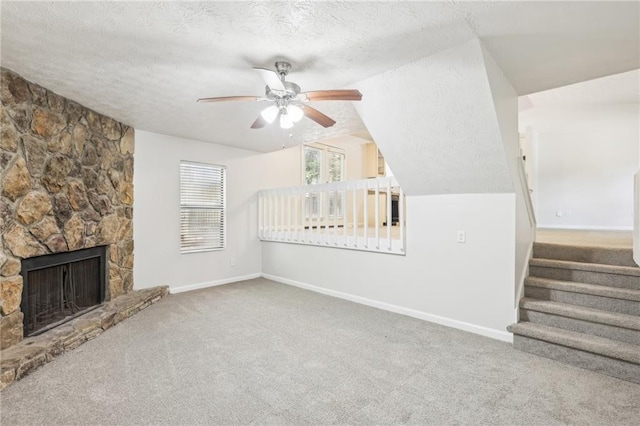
{"x": 66, "y": 176}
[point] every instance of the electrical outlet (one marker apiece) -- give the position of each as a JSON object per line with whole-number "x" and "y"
{"x": 559, "y": 213}
{"x": 461, "y": 237}
{"x": 232, "y": 262}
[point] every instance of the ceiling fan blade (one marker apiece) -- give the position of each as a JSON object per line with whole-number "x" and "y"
{"x": 334, "y": 95}
{"x": 230, "y": 98}
{"x": 317, "y": 116}
{"x": 259, "y": 123}
{"x": 271, "y": 78}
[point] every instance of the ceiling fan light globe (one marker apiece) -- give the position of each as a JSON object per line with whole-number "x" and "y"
{"x": 285, "y": 121}
{"x": 269, "y": 114}
{"x": 295, "y": 113}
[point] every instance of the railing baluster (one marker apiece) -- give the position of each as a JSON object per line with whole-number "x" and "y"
{"x": 326, "y": 217}
{"x": 282, "y": 213}
{"x": 295, "y": 215}
{"x": 318, "y": 207}
{"x": 389, "y": 217}
{"x": 270, "y": 219}
{"x": 401, "y": 218}
{"x": 289, "y": 215}
{"x": 303, "y": 216}
{"x": 279, "y": 216}
{"x": 377, "y": 213}
{"x": 259, "y": 215}
{"x": 355, "y": 215}
{"x": 344, "y": 215}
{"x": 366, "y": 215}
{"x": 321, "y": 216}
{"x": 265, "y": 214}
{"x": 276, "y": 212}
{"x": 335, "y": 218}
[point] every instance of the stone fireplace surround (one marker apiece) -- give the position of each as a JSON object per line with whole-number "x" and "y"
{"x": 66, "y": 176}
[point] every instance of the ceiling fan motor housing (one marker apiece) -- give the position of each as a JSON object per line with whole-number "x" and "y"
{"x": 291, "y": 91}
{"x": 283, "y": 68}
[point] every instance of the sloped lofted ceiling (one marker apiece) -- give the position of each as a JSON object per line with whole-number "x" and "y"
{"x": 623, "y": 88}
{"x": 146, "y": 63}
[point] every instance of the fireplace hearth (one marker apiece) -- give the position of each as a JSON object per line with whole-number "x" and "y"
{"x": 60, "y": 287}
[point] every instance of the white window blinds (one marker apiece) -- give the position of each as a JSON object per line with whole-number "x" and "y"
{"x": 202, "y": 207}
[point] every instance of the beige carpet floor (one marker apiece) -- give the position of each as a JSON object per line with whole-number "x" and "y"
{"x": 585, "y": 237}
{"x": 259, "y": 352}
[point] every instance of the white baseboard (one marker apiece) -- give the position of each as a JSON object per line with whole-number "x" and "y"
{"x": 460, "y": 325}
{"x": 189, "y": 287}
{"x": 587, "y": 228}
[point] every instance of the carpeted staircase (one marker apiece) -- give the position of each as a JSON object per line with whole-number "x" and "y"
{"x": 582, "y": 307}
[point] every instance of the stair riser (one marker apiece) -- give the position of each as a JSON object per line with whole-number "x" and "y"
{"x": 601, "y": 255}
{"x": 598, "y": 363}
{"x": 581, "y": 326}
{"x": 597, "y": 302}
{"x": 600, "y": 278}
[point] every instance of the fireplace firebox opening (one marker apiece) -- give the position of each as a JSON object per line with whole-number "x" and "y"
{"x": 60, "y": 287}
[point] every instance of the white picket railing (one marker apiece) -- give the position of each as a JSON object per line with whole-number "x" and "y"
{"x": 350, "y": 215}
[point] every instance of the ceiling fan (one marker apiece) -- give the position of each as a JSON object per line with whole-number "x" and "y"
{"x": 288, "y": 102}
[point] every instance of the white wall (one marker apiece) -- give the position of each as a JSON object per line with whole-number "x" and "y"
{"x": 156, "y": 218}
{"x": 468, "y": 286}
{"x": 157, "y": 214}
{"x": 505, "y": 100}
{"x": 434, "y": 121}
{"x": 586, "y": 159}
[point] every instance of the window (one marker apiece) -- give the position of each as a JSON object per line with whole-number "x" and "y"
{"x": 336, "y": 174}
{"x": 202, "y": 207}
{"x": 313, "y": 165}
{"x": 321, "y": 161}
{"x": 313, "y": 175}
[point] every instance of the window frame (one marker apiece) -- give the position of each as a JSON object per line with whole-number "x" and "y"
{"x": 222, "y": 207}
{"x": 325, "y": 152}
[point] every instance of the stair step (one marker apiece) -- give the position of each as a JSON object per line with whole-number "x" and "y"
{"x": 580, "y": 312}
{"x": 613, "y": 299}
{"x": 585, "y": 254}
{"x": 582, "y": 307}
{"x": 589, "y": 273}
{"x": 591, "y": 267}
{"x": 597, "y": 345}
{"x": 592, "y": 289}
{"x": 614, "y": 326}
{"x": 616, "y": 359}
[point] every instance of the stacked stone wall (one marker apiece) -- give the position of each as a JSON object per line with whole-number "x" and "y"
{"x": 66, "y": 183}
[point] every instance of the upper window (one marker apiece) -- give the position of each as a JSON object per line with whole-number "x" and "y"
{"x": 202, "y": 207}
{"x": 313, "y": 165}
{"x": 323, "y": 164}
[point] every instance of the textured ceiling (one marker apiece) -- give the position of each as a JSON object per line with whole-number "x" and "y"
{"x": 621, "y": 88}
{"x": 145, "y": 63}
